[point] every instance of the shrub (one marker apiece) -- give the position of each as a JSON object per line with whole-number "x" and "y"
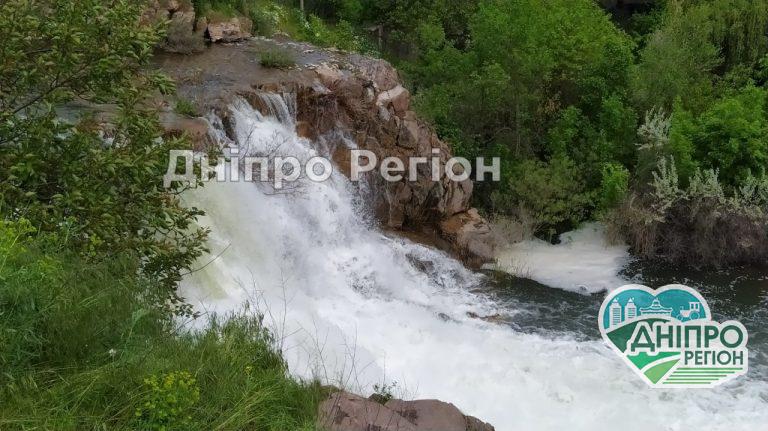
{"x": 167, "y": 402}
{"x": 277, "y": 59}
{"x": 342, "y": 35}
{"x": 552, "y": 193}
{"x": 103, "y": 189}
{"x": 185, "y": 107}
{"x": 614, "y": 186}
{"x": 702, "y": 224}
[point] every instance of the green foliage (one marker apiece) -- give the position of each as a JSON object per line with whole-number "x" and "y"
{"x": 185, "y": 107}
{"x": 537, "y": 82}
{"x": 614, "y": 186}
{"x": 731, "y": 136}
{"x": 223, "y": 7}
{"x": 694, "y": 40}
{"x": 278, "y": 59}
{"x": 104, "y": 190}
{"x": 270, "y": 17}
{"x": 677, "y": 62}
{"x": 383, "y": 393}
{"x": 553, "y": 193}
{"x": 167, "y": 401}
{"x": 88, "y": 346}
{"x": 342, "y": 35}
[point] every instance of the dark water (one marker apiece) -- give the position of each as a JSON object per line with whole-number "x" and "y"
{"x": 735, "y": 294}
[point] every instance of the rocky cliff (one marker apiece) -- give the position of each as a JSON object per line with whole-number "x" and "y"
{"x": 343, "y": 95}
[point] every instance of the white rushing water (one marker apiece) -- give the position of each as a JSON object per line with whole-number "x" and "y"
{"x": 582, "y": 262}
{"x": 355, "y": 307}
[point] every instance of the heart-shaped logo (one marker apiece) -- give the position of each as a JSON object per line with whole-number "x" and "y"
{"x": 667, "y": 336}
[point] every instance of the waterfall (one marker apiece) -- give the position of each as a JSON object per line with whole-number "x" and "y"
{"x": 356, "y": 307}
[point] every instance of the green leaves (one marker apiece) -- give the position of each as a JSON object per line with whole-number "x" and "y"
{"x": 106, "y": 184}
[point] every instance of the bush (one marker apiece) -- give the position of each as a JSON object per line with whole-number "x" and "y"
{"x": 185, "y": 107}
{"x": 552, "y": 193}
{"x": 342, "y": 35}
{"x": 614, "y": 186}
{"x": 167, "y": 402}
{"x": 277, "y": 59}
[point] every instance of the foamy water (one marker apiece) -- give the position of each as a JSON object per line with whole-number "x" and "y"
{"x": 355, "y": 307}
{"x": 583, "y": 261}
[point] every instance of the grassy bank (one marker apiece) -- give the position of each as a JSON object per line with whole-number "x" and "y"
{"x": 87, "y": 345}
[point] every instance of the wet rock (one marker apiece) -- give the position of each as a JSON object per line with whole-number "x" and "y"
{"x": 472, "y": 236}
{"x": 363, "y": 99}
{"x": 195, "y": 129}
{"x": 494, "y": 318}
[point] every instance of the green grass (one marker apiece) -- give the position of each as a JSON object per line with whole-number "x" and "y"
{"x": 277, "y": 59}
{"x": 87, "y": 345}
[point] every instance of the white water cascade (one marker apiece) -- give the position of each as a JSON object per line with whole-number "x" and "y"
{"x": 355, "y": 307}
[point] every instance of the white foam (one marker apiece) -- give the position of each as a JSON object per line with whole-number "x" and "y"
{"x": 581, "y": 262}
{"x": 356, "y": 307}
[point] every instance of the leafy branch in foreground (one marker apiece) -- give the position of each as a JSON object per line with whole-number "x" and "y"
{"x": 98, "y": 180}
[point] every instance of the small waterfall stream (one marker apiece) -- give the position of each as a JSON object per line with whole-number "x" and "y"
{"x": 355, "y": 307}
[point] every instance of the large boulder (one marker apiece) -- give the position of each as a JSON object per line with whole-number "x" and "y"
{"x": 233, "y": 29}
{"x": 471, "y": 235}
{"x": 343, "y": 411}
{"x": 398, "y": 99}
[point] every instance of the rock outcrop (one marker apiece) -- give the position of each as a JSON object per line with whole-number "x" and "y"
{"x": 369, "y": 102}
{"x": 343, "y": 411}
{"x": 185, "y": 34}
{"x": 233, "y": 29}
{"x": 362, "y": 100}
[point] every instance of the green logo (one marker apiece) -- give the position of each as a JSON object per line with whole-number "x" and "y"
{"x": 667, "y": 336}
